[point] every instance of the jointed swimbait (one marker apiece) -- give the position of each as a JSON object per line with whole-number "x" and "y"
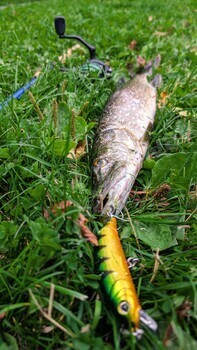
{"x": 117, "y": 279}
{"x": 122, "y": 140}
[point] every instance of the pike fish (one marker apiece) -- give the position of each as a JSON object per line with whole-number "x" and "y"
{"x": 122, "y": 140}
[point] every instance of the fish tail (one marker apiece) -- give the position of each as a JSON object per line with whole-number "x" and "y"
{"x": 151, "y": 65}
{"x": 157, "y": 80}
{"x": 149, "y": 70}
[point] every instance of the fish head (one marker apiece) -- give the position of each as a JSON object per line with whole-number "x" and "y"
{"x": 112, "y": 180}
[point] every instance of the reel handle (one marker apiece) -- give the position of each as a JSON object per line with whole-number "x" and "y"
{"x": 93, "y": 65}
{"x": 60, "y": 26}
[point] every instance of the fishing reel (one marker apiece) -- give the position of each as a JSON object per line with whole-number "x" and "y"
{"x": 93, "y": 65}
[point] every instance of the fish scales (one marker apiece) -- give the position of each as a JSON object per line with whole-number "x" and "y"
{"x": 121, "y": 143}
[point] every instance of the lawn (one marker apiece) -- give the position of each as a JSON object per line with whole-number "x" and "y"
{"x": 50, "y": 291}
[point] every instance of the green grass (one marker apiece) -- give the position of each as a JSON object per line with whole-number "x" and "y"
{"x": 35, "y": 174}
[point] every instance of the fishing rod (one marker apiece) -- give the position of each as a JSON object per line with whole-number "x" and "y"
{"x": 19, "y": 93}
{"x": 91, "y": 66}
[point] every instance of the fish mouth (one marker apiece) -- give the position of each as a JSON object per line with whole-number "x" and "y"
{"x": 112, "y": 197}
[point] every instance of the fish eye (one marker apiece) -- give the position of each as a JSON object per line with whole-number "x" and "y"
{"x": 99, "y": 163}
{"x": 123, "y": 307}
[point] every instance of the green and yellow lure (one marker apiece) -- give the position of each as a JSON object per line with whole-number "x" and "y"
{"x": 117, "y": 279}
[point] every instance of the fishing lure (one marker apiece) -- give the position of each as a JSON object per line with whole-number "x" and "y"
{"x": 117, "y": 279}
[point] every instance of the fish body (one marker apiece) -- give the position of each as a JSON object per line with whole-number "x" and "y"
{"x": 121, "y": 143}
{"x": 117, "y": 279}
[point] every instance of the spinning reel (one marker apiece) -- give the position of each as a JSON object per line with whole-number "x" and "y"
{"x": 93, "y": 64}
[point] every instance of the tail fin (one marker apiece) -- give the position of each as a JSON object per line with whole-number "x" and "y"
{"x": 157, "y": 80}
{"x": 148, "y": 69}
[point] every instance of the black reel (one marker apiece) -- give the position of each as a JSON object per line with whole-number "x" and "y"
{"x": 93, "y": 65}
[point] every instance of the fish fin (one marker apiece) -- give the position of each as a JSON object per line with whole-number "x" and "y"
{"x": 151, "y": 65}
{"x": 157, "y": 80}
{"x": 157, "y": 61}
{"x": 121, "y": 82}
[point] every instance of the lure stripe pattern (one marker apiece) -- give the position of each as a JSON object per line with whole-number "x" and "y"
{"x": 116, "y": 276}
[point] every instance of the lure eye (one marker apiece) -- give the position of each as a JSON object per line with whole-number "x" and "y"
{"x": 99, "y": 163}
{"x": 123, "y": 308}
